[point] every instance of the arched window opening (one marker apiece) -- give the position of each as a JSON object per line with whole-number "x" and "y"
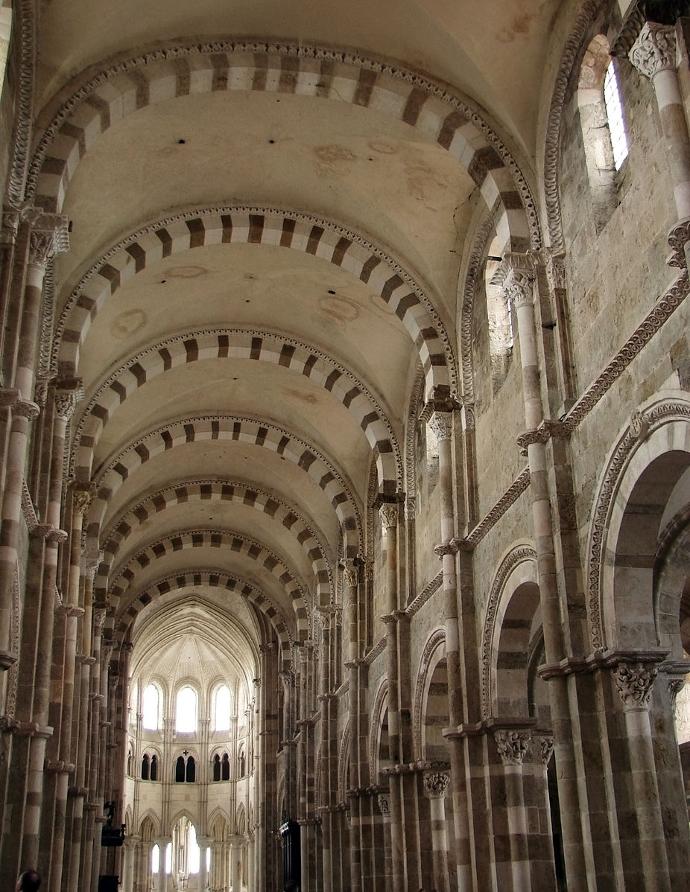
{"x": 130, "y": 762}
{"x": 614, "y": 113}
{"x": 242, "y": 759}
{"x": 155, "y": 859}
{"x": 194, "y": 853}
{"x": 216, "y": 767}
{"x": 154, "y": 768}
{"x": 603, "y": 128}
{"x": 179, "y": 770}
{"x": 499, "y": 317}
{"x": 225, "y": 767}
{"x": 190, "y": 770}
{"x": 221, "y": 709}
{"x": 145, "y": 767}
{"x": 168, "y": 858}
{"x": 151, "y": 708}
{"x": 186, "y": 710}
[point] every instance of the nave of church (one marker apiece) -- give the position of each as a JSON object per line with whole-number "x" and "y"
{"x": 345, "y": 445}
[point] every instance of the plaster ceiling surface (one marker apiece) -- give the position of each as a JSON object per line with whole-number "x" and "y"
{"x": 219, "y": 559}
{"x": 372, "y": 172}
{"x": 220, "y": 515}
{"x": 228, "y": 386}
{"x": 494, "y": 51}
{"x": 254, "y": 287}
{"x": 230, "y": 461}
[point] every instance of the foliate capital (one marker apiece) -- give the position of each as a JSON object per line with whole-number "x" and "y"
{"x": 518, "y": 287}
{"x": 384, "y": 803}
{"x": 436, "y": 784}
{"x": 350, "y": 574}
{"x": 49, "y": 236}
{"x": 81, "y": 498}
{"x": 512, "y": 746}
{"x": 654, "y": 50}
{"x": 634, "y": 683}
{"x": 441, "y": 424}
{"x": 388, "y": 512}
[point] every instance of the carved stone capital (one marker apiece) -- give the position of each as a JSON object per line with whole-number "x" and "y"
{"x": 512, "y": 746}
{"x": 350, "y": 574}
{"x": 49, "y": 236}
{"x": 26, "y": 408}
{"x": 441, "y": 424}
{"x": 518, "y": 275}
{"x": 436, "y": 784}
{"x": 634, "y": 683}
{"x": 82, "y": 496}
{"x": 384, "y": 803}
{"x": 388, "y": 512}
{"x": 446, "y": 548}
{"x": 67, "y": 396}
{"x": 544, "y": 743}
{"x": 639, "y": 425}
{"x": 654, "y": 50}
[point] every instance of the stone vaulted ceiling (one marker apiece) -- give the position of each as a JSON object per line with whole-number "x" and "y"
{"x": 266, "y": 235}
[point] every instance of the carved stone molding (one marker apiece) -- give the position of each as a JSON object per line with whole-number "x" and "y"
{"x": 655, "y": 415}
{"x": 678, "y": 239}
{"x": 436, "y": 784}
{"x": 512, "y": 745}
{"x": 654, "y": 50}
{"x": 511, "y": 495}
{"x": 436, "y": 640}
{"x": 634, "y": 683}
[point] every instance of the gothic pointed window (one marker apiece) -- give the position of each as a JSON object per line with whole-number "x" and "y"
{"x": 186, "y": 710}
{"x": 216, "y": 767}
{"x": 154, "y": 768}
{"x": 155, "y": 859}
{"x": 145, "y": 767}
{"x": 151, "y": 708}
{"x": 225, "y": 767}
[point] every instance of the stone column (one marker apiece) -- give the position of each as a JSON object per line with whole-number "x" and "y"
{"x": 435, "y": 786}
{"x": 64, "y": 647}
{"x": 384, "y": 803}
{"x": 48, "y": 237}
{"x": 654, "y": 55}
{"x": 512, "y": 748}
{"x": 540, "y": 844}
{"x": 235, "y": 865}
{"x": 634, "y": 682}
{"x": 519, "y": 290}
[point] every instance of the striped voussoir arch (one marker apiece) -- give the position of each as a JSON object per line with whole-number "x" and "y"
{"x": 177, "y": 70}
{"x": 227, "y": 428}
{"x": 258, "y": 346}
{"x": 233, "y": 542}
{"x": 217, "y": 491}
{"x": 211, "y": 578}
{"x": 271, "y": 227}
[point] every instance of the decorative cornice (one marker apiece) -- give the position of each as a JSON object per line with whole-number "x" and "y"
{"x": 28, "y": 510}
{"x": 667, "y": 304}
{"x": 24, "y": 119}
{"x": 509, "y": 497}
{"x": 654, "y": 50}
